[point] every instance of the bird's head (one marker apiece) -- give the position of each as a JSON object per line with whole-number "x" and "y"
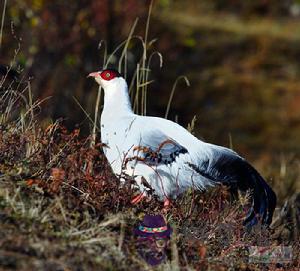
{"x": 107, "y": 77}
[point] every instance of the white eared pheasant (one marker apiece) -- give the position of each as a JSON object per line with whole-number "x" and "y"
{"x": 170, "y": 158}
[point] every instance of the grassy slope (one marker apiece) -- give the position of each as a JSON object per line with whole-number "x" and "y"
{"x": 62, "y": 209}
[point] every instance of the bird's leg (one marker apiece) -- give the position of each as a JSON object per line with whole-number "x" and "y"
{"x": 138, "y": 198}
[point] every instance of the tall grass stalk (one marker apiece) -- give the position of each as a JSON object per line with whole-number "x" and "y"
{"x": 2, "y": 22}
{"x": 123, "y": 57}
{"x": 147, "y": 75}
{"x": 145, "y": 72}
{"x": 98, "y": 99}
{"x": 173, "y": 91}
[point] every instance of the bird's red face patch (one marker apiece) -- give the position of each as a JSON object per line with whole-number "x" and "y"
{"x": 109, "y": 74}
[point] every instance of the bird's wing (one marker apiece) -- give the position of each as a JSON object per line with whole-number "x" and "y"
{"x": 157, "y": 148}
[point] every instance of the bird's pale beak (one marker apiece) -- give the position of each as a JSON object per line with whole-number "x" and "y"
{"x": 94, "y": 74}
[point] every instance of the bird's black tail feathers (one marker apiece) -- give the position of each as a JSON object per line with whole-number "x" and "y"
{"x": 238, "y": 174}
{"x": 263, "y": 200}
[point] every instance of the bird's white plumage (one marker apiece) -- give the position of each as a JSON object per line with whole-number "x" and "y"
{"x": 170, "y": 158}
{"x": 123, "y": 131}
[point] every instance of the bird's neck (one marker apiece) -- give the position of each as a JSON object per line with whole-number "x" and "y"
{"x": 116, "y": 101}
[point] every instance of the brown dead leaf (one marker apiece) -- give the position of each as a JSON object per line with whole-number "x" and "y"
{"x": 57, "y": 175}
{"x": 29, "y": 182}
{"x": 202, "y": 252}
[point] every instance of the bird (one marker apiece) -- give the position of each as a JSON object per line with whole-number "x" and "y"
{"x": 161, "y": 154}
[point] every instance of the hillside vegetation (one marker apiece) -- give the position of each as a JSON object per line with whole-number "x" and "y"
{"x": 61, "y": 207}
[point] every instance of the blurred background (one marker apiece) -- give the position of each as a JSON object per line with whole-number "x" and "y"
{"x": 242, "y": 59}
